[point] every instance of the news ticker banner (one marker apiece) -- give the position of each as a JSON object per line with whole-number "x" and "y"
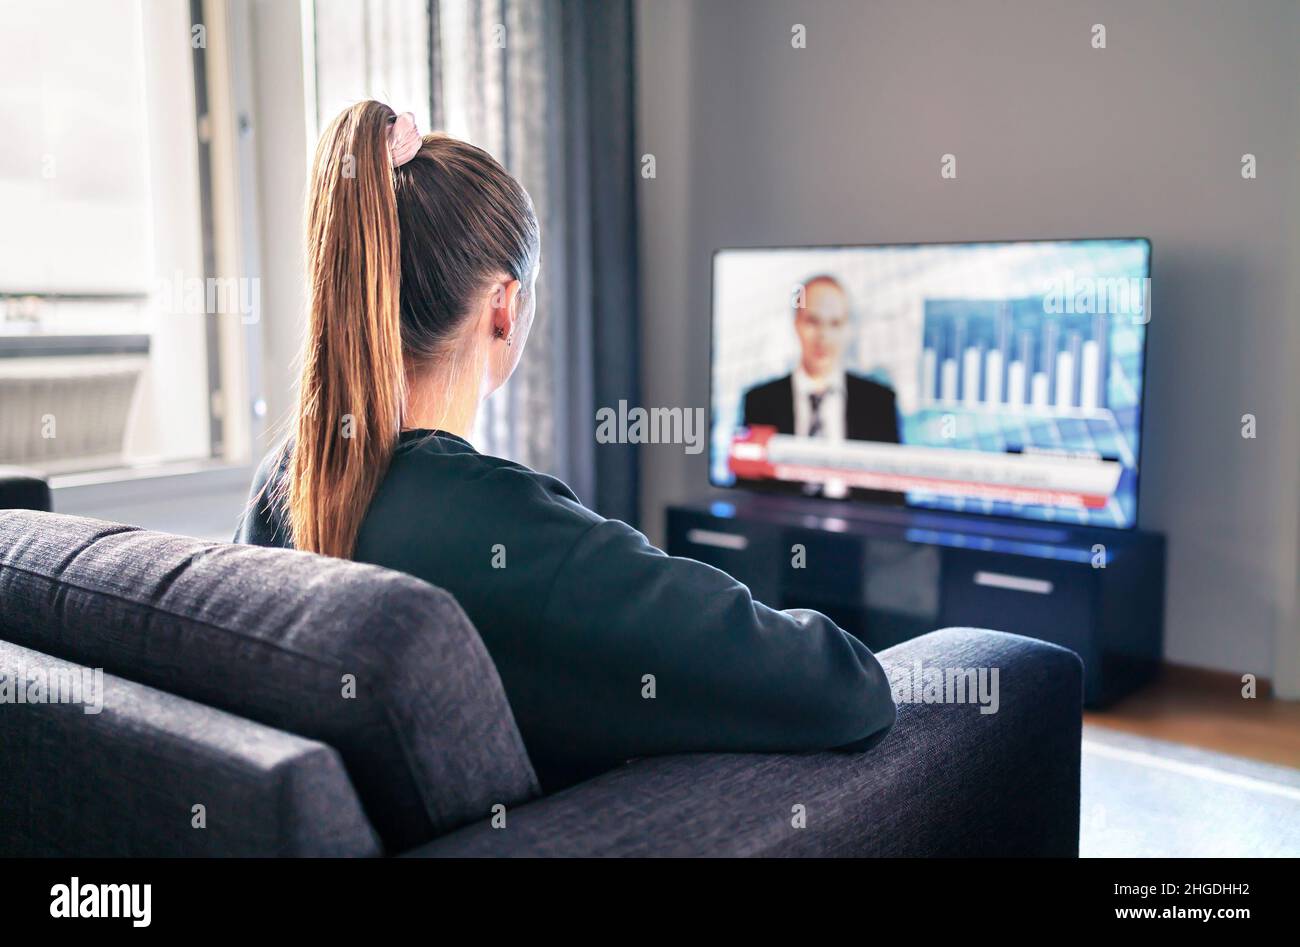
{"x": 1049, "y": 479}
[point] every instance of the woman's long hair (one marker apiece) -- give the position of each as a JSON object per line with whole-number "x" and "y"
{"x": 397, "y": 258}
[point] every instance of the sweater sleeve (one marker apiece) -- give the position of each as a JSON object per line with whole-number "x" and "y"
{"x": 669, "y": 655}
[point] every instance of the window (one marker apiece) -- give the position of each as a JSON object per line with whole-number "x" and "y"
{"x": 122, "y": 340}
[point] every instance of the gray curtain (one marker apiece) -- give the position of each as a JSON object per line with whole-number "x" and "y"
{"x": 547, "y": 87}
{"x": 372, "y": 49}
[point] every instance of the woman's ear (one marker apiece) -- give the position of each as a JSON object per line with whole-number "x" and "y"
{"x": 503, "y": 304}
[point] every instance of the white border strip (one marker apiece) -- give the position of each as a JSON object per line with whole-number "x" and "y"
{"x": 1193, "y": 769}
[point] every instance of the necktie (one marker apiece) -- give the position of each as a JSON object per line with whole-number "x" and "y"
{"x": 815, "y": 399}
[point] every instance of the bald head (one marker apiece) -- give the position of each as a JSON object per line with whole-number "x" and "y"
{"x": 822, "y": 325}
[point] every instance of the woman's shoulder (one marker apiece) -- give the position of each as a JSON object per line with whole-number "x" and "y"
{"x": 462, "y": 470}
{"x": 455, "y": 459}
{"x": 275, "y": 462}
{"x": 262, "y": 521}
{"x": 465, "y": 499}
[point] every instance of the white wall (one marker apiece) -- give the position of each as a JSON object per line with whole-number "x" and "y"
{"x": 759, "y": 143}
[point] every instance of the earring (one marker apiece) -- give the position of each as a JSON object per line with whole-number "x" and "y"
{"x": 510, "y": 339}
{"x": 497, "y": 333}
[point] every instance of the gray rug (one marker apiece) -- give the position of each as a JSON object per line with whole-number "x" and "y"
{"x": 1148, "y": 798}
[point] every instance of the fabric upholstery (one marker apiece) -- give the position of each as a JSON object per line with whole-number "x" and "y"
{"x": 280, "y": 637}
{"x": 125, "y": 780}
{"x": 946, "y": 781}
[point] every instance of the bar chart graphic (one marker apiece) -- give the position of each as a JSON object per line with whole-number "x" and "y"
{"x": 1007, "y": 376}
{"x": 1009, "y": 354}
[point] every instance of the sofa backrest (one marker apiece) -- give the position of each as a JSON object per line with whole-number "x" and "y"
{"x": 101, "y": 767}
{"x": 382, "y": 667}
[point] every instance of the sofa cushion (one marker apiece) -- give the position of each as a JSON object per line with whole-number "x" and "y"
{"x": 379, "y": 665}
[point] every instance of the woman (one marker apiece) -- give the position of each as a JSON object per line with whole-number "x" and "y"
{"x": 422, "y": 259}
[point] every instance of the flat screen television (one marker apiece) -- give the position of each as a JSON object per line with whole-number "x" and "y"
{"x": 1001, "y": 378}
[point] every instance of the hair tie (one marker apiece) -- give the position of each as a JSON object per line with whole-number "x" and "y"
{"x": 403, "y": 139}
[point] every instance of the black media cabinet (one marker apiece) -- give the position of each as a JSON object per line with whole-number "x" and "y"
{"x": 888, "y": 574}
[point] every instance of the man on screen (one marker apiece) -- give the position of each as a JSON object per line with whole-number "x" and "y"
{"x": 820, "y": 398}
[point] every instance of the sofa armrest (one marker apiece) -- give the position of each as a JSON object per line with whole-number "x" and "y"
{"x": 948, "y": 780}
{"x": 117, "y": 770}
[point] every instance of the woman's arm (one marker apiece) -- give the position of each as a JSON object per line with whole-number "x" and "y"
{"x": 666, "y": 655}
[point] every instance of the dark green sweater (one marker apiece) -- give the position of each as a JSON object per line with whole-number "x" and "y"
{"x": 577, "y": 611}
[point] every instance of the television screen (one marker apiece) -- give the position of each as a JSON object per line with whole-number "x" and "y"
{"x": 994, "y": 378}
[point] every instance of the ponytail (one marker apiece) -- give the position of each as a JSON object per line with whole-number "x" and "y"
{"x": 352, "y": 385}
{"x": 397, "y": 257}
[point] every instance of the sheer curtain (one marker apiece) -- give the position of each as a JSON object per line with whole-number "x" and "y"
{"x": 546, "y": 86}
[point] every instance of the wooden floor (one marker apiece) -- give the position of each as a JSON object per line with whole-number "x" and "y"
{"x": 1206, "y": 709}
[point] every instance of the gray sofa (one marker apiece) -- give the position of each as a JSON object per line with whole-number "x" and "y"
{"x": 268, "y": 702}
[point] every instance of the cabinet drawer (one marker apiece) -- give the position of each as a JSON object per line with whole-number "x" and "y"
{"x": 1042, "y": 598}
{"x": 745, "y": 551}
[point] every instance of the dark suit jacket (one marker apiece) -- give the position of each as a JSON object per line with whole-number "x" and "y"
{"x": 869, "y": 408}
{"x": 870, "y": 414}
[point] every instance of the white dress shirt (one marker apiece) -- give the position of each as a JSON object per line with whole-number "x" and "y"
{"x": 831, "y": 410}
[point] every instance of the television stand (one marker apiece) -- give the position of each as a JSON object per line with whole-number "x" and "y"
{"x": 886, "y": 574}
